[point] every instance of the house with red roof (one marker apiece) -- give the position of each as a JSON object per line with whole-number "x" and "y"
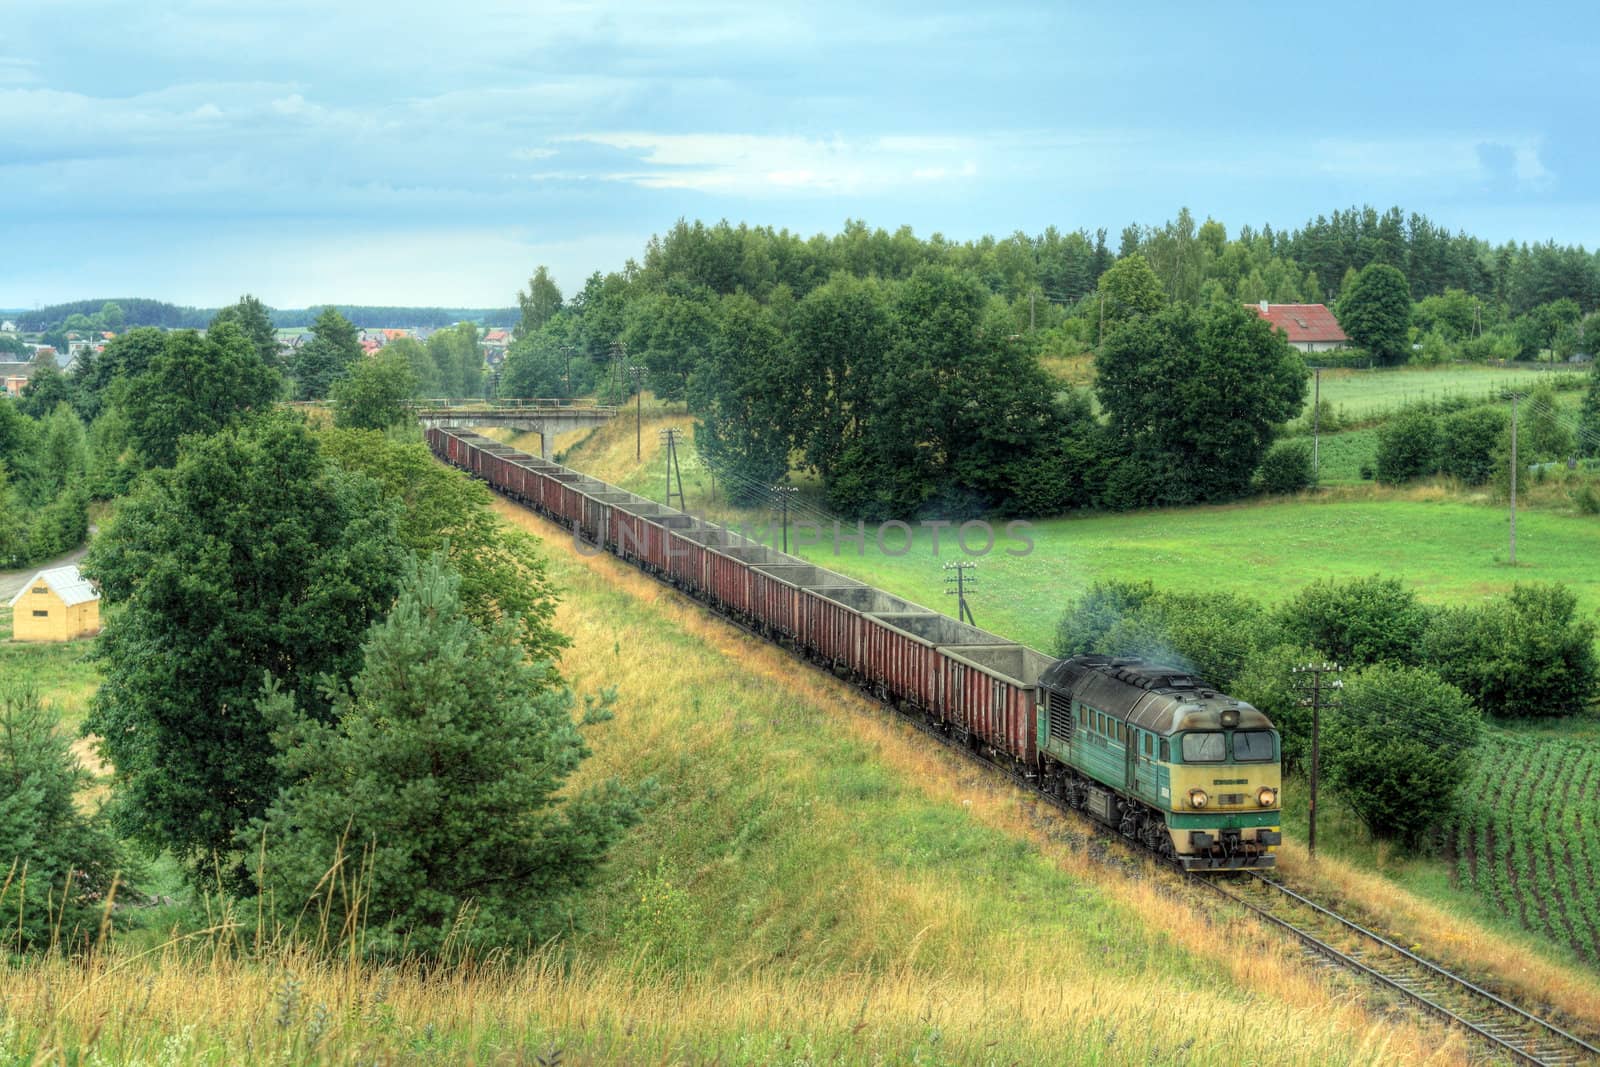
{"x": 1308, "y": 327}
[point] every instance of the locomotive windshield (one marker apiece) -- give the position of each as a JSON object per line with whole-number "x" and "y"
{"x": 1204, "y": 748}
{"x": 1252, "y": 745}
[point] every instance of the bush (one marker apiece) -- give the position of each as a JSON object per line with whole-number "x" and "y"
{"x": 1407, "y": 446}
{"x": 1362, "y": 621}
{"x": 61, "y": 862}
{"x": 61, "y": 526}
{"x": 1211, "y": 634}
{"x": 1396, "y": 747}
{"x": 1527, "y": 654}
{"x": 1286, "y": 468}
{"x": 1468, "y": 443}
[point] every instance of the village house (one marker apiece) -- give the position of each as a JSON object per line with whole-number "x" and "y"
{"x": 14, "y": 376}
{"x": 56, "y": 605}
{"x": 1308, "y": 327}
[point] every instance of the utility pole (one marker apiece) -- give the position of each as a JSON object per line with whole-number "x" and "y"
{"x": 638, "y": 410}
{"x": 1513, "y": 479}
{"x": 784, "y": 493}
{"x": 1316, "y": 423}
{"x": 670, "y": 437}
{"x": 1316, "y": 700}
{"x": 956, "y": 575}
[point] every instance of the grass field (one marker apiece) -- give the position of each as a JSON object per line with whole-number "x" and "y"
{"x": 1358, "y": 394}
{"x": 814, "y": 884}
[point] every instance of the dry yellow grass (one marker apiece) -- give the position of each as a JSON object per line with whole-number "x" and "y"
{"x": 1258, "y": 964}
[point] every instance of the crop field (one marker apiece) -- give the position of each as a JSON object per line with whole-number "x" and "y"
{"x": 1527, "y": 836}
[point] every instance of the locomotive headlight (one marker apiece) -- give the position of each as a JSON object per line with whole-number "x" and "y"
{"x": 1267, "y": 797}
{"x": 1198, "y": 798}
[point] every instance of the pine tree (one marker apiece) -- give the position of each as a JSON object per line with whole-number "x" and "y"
{"x": 433, "y": 798}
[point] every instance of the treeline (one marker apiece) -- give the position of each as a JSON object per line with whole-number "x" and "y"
{"x": 135, "y": 311}
{"x": 1418, "y": 680}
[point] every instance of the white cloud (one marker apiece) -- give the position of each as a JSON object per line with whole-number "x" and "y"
{"x": 764, "y": 164}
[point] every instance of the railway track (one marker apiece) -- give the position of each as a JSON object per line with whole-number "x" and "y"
{"x": 1505, "y": 1027}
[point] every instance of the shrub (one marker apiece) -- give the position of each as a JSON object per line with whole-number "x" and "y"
{"x": 61, "y": 526}
{"x": 1468, "y": 443}
{"x": 1397, "y": 746}
{"x": 1526, "y": 654}
{"x": 1212, "y": 634}
{"x": 1286, "y": 468}
{"x": 1362, "y": 621}
{"x": 61, "y": 863}
{"x": 1407, "y": 446}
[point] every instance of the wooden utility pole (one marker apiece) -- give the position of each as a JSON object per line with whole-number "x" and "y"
{"x": 1513, "y": 479}
{"x": 1316, "y": 700}
{"x": 956, "y": 575}
{"x": 784, "y": 493}
{"x": 670, "y": 437}
{"x": 1316, "y": 423}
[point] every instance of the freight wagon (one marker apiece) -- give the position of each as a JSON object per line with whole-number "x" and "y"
{"x": 1149, "y": 750}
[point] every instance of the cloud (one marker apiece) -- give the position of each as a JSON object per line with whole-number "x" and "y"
{"x": 17, "y": 71}
{"x": 756, "y": 165}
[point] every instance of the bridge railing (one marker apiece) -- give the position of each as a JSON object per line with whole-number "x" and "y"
{"x": 505, "y": 403}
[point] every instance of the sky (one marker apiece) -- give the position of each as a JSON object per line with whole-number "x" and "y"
{"x": 358, "y": 151}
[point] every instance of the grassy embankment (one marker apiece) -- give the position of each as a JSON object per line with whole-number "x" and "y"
{"x": 1450, "y": 550}
{"x": 816, "y": 883}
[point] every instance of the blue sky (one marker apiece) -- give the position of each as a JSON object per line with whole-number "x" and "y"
{"x": 357, "y": 151}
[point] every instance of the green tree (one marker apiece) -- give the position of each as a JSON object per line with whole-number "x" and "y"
{"x": 124, "y": 358}
{"x": 13, "y": 531}
{"x": 327, "y": 357}
{"x": 1163, "y": 378}
{"x": 61, "y": 525}
{"x": 737, "y": 392}
{"x": 1589, "y": 414}
{"x": 1266, "y": 681}
{"x": 1408, "y": 446}
{"x": 502, "y": 570}
{"x": 459, "y": 358}
{"x": 1548, "y": 434}
{"x": 111, "y": 464}
{"x": 841, "y": 331}
{"x": 1360, "y": 621}
{"x": 1527, "y": 654}
{"x": 111, "y": 317}
{"x": 1397, "y": 747}
{"x": 539, "y": 303}
{"x": 672, "y": 334}
{"x": 375, "y": 395}
{"x": 1129, "y": 290}
{"x": 422, "y": 364}
{"x": 63, "y": 451}
{"x": 197, "y": 385}
{"x": 1467, "y": 443}
{"x": 1376, "y": 313}
{"x": 251, "y": 556}
{"x": 60, "y": 863}
{"x": 438, "y": 789}
{"x": 47, "y": 388}
{"x": 254, "y": 320}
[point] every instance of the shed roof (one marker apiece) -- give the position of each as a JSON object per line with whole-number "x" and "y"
{"x": 1302, "y": 323}
{"x": 64, "y": 582}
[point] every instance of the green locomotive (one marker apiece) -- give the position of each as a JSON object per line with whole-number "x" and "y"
{"x": 1158, "y": 754}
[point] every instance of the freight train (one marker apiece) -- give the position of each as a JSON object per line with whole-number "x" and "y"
{"x": 1151, "y": 751}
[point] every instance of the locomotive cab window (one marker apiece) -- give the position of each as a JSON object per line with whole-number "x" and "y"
{"x": 1252, "y": 746}
{"x": 1208, "y": 747}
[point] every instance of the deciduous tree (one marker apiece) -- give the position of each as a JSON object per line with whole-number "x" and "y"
{"x": 251, "y": 556}
{"x": 327, "y": 357}
{"x": 1376, "y": 313}
{"x": 375, "y": 395}
{"x": 196, "y": 385}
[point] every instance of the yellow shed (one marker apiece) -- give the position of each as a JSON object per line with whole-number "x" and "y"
{"x": 56, "y": 605}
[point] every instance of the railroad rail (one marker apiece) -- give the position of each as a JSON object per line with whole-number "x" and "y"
{"x": 1501, "y": 1025}
{"x": 1508, "y": 1029}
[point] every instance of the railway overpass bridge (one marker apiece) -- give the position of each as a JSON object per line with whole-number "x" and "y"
{"x": 547, "y": 418}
